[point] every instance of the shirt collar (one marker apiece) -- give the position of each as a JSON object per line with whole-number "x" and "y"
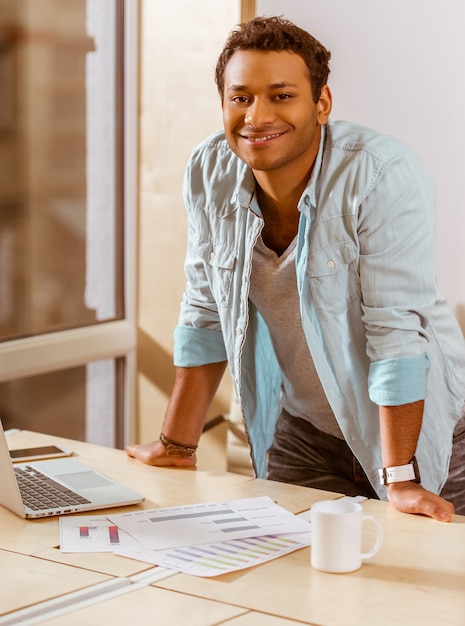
{"x": 245, "y": 188}
{"x": 309, "y": 195}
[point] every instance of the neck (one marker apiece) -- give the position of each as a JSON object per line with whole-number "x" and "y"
{"x": 280, "y": 213}
{"x": 279, "y": 190}
{"x": 277, "y": 195}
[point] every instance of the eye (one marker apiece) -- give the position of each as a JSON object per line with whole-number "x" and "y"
{"x": 240, "y": 99}
{"x": 283, "y": 96}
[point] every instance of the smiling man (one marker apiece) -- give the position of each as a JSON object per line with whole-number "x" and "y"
{"x": 273, "y": 124}
{"x": 310, "y": 272}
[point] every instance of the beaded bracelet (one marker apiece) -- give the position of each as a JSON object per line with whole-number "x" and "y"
{"x": 174, "y": 448}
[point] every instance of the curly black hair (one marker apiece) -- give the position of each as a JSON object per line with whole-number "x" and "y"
{"x": 277, "y": 34}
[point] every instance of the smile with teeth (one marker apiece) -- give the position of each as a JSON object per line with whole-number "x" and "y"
{"x": 265, "y": 138}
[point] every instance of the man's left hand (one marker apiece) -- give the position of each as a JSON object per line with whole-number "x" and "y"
{"x": 409, "y": 497}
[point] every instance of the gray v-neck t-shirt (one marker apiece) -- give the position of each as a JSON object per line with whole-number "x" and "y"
{"x": 273, "y": 290}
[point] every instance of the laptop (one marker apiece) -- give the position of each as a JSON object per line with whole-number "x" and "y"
{"x": 57, "y": 487}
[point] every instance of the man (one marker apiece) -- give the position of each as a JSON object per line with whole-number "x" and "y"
{"x": 310, "y": 272}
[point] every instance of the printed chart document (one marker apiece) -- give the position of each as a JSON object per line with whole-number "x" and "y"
{"x": 195, "y": 524}
{"x": 205, "y": 539}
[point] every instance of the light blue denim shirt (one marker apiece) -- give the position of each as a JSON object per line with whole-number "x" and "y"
{"x": 378, "y": 331}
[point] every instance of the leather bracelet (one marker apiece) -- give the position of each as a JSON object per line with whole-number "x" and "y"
{"x": 177, "y": 449}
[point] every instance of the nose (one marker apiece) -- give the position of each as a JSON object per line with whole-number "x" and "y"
{"x": 259, "y": 113}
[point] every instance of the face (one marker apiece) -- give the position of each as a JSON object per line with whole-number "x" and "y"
{"x": 270, "y": 119}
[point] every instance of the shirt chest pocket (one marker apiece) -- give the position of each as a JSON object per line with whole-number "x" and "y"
{"x": 219, "y": 263}
{"x": 333, "y": 278}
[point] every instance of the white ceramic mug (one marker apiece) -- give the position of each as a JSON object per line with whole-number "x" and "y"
{"x": 337, "y": 536}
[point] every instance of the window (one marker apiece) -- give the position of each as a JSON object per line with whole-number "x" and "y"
{"x": 67, "y": 215}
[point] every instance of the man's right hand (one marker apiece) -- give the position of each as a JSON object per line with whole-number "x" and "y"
{"x": 193, "y": 391}
{"x": 154, "y": 453}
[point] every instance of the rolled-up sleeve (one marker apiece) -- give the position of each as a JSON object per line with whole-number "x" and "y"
{"x": 394, "y": 382}
{"x": 398, "y": 280}
{"x": 197, "y": 346}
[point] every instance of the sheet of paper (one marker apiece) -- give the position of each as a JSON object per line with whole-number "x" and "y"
{"x": 92, "y": 534}
{"x": 220, "y": 558}
{"x": 195, "y": 524}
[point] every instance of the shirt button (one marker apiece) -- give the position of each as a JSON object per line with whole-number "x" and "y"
{"x": 256, "y": 224}
{"x": 331, "y": 264}
{"x": 212, "y": 255}
{"x": 238, "y": 331}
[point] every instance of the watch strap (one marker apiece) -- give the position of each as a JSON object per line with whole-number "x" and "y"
{"x": 400, "y": 473}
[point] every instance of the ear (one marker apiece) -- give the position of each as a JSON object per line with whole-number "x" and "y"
{"x": 324, "y": 105}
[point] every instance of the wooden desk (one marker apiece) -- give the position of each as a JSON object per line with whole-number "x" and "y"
{"x": 418, "y": 577}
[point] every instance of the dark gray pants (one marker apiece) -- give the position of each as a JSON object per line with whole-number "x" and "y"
{"x": 303, "y": 455}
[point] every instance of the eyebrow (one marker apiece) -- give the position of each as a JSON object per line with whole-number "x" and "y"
{"x": 272, "y": 86}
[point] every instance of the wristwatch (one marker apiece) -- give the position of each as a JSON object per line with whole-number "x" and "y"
{"x": 400, "y": 473}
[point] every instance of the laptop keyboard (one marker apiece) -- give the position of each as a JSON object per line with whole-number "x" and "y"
{"x": 40, "y": 492}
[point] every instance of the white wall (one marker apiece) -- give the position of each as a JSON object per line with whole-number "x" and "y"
{"x": 399, "y": 66}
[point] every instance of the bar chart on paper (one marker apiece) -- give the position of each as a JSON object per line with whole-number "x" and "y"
{"x": 211, "y": 522}
{"x": 91, "y": 534}
{"x": 205, "y": 539}
{"x": 222, "y": 557}
{"x": 109, "y": 534}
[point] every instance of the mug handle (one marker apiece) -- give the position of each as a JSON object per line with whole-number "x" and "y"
{"x": 379, "y": 538}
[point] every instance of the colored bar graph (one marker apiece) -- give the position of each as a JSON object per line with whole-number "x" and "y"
{"x": 114, "y": 534}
